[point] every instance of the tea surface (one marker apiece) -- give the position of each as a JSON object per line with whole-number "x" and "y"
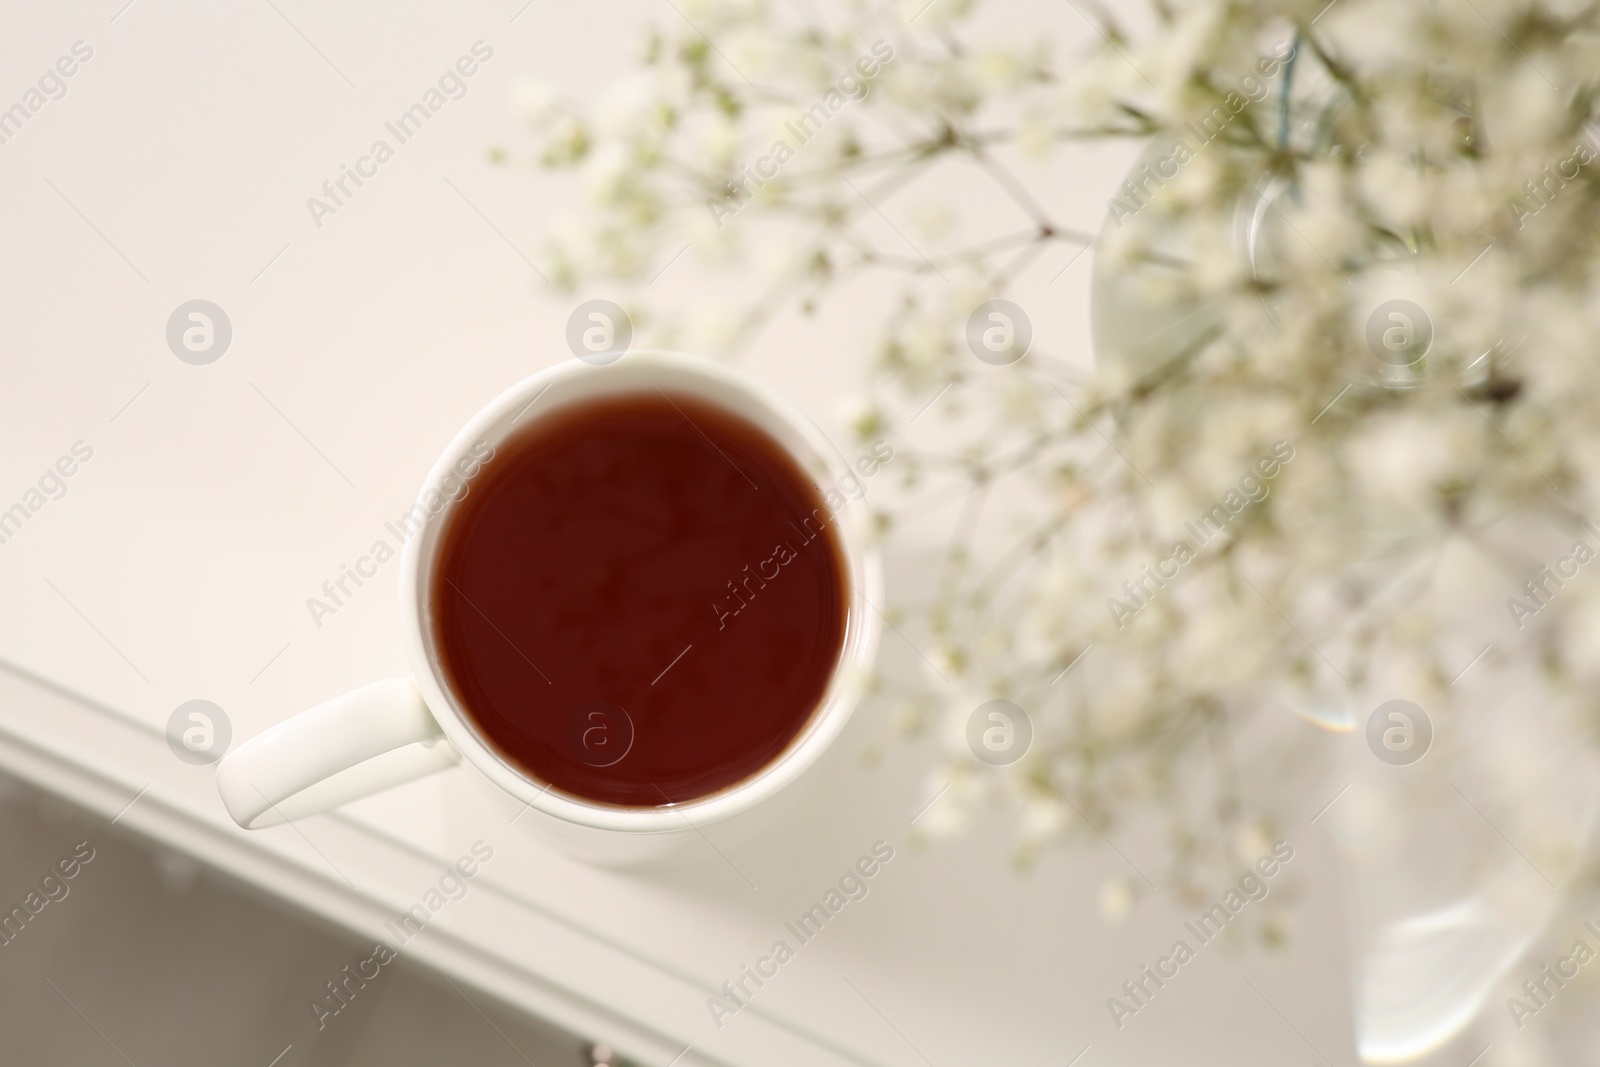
{"x": 640, "y": 600}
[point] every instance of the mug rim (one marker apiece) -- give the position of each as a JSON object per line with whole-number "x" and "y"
{"x": 846, "y": 685}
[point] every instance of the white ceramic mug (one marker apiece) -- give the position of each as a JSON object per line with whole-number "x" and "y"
{"x": 393, "y": 731}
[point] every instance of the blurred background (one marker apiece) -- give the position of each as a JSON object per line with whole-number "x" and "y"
{"x": 211, "y": 498}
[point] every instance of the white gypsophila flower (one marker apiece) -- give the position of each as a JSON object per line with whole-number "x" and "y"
{"x": 907, "y": 717}
{"x": 1251, "y": 841}
{"x": 1036, "y": 134}
{"x": 1057, "y": 614}
{"x": 953, "y": 795}
{"x": 958, "y": 705}
{"x": 753, "y": 52}
{"x": 634, "y": 114}
{"x": 1117, "y": 898}
{"x": 1379, "y": 34}
{"x": 1118, "y": 710}
{"x": 859, "y": 415}
{"x": 1392, "y": 186}
{"x": 1093, "y": 85}
{"x": 1325, "y": 231}
{"x": 926, "y": 348}
{"x": 536, "y": 101}
{"x": 712, "y": 237}
{"x": 720, "y": 13}
{"x": 781, "y": 256}
{"x": 932, "y": 220}
{"x": 608, "y": 174}
{"x": 1044, "y": 817}
{"x": 1001, "y": 69}
{"x": 1020, "y": 404}
{"x": 1434, "y": 155}
{"x": 1528, "y": 113}
{"x": 1171, "y": 59}
{"x": 718, "y": 143}
{"x": 933, "y": 14}
{"x": 568, "y": 142}
{"x": 712, "y": 326}
{"x": 1580, "y": 648}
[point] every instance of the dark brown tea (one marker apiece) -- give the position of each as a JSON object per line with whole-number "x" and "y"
{"x": 640, "y": 600}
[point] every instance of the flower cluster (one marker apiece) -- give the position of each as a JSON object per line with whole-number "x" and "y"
{"x": 1366, "y": 232}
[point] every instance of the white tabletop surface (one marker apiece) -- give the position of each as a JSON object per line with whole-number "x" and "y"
{"x": 218, "y": 498}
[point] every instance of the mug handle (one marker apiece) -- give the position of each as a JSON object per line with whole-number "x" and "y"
{"x": 365, "y": 741}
